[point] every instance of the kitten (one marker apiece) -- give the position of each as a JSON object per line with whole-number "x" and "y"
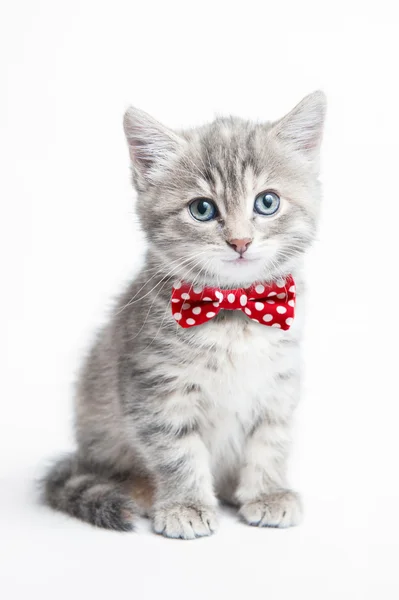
{"x": 171, "y": 419}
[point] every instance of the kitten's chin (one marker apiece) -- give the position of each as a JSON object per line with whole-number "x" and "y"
{"x": 241, "y": 272}
{"x": 236, "y": 272}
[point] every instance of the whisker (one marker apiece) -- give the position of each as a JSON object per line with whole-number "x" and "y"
{"x": 150, "y": 309}
{"x": 170, "y": 272}
{"x": 163, "y": 319}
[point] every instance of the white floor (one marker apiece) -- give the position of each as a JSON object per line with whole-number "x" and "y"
{"x": 347, "y": 548}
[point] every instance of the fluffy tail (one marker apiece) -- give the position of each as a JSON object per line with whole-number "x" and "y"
{"x": 70, "y": 487}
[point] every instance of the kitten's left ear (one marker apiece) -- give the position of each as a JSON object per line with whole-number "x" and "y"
{"x": 301, "y": 129}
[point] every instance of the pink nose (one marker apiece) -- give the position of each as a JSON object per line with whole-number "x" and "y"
{"x": 240, "y": 246}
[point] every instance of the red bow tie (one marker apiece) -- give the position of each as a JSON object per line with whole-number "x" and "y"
{"x": 268, "y": 304}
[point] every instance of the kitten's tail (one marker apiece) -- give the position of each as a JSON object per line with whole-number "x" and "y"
{"x": 70, "y": 487}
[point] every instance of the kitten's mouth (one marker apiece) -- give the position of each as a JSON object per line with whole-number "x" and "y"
{"x": 240, "y": 260}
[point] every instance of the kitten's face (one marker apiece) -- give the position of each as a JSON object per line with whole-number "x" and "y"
{"x": 232, "y": 202}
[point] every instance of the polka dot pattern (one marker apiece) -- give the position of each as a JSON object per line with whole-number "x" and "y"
{"x": 263, "y": 303}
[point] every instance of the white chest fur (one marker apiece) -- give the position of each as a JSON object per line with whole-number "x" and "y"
{"x": 245, "y": 385}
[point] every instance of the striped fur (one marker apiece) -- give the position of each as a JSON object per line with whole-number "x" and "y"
{"x": 88, "y": 495}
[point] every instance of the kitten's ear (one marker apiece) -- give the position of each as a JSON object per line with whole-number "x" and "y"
{"x": 301, "y": 129}
{"x": 151, "y": 145}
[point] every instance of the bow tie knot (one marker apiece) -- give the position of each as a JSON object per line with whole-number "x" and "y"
{"x": 269, "y": 304}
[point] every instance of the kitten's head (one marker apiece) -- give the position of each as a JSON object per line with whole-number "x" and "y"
{"x": 232, "y": 202}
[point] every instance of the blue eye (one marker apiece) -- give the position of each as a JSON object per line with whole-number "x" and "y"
{"x": 203, "y": 209}
{"x": 267, "y": 203}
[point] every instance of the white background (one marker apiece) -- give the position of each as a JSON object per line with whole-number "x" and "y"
{"x": 69, "y": 241}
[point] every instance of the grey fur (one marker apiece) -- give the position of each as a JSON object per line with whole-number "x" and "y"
{"x": 84, "y": 493}
{"x": 202, "y": 413}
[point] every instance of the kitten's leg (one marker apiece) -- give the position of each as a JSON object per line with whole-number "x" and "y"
{"x": 262, "y": 492}
{"x": 184, "y": 504}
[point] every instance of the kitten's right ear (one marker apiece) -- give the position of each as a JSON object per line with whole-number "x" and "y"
{"x": 301, "y": 130}
{"x": 151, "y": 145}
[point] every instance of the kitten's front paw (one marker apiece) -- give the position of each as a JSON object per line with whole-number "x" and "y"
{"x": 278, "y": 509}
{"x": 185, "y": 522}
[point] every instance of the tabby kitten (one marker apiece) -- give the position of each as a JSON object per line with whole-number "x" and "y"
{"x": 171, "y": 418}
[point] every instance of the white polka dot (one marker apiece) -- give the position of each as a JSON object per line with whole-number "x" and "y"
{"x": 196, "y": 310}
{"x": 210, "y": 315}
{"x": 280, "y": 283}
{"x": 270, "y": 294}
{"x": 177, "y": 316}
{"x": 289, "y": 321}
{"x": 243, "y": 300}
{"x": 260, "y": 289}
{"x": 271, "y": 301}
{"x": 177, "y": 285}
{"x": 186, "y": 305}
{"x": 175, "y": 300}
{"x": 216, "y": 304}
{"x": 190, "y": 322}
{"x": 219, "y": 295}
{"x": 267, "y": 318}
{"x": 291, "y": 302}
{"x": 292, "y": 289}
{"x": 281, "y": 296}
{"x": 231, "y": 298}
{"x": 198, "y": 289}
{"x": 248, "y": 311}
{"x": 276, "y": 325}
{"x": 259, "y": 305}
{"x": 185, "y": 296}
{"x": 281, "y": 310}
{"x": 256, "y": 320}
{"x": 207, "y": 299}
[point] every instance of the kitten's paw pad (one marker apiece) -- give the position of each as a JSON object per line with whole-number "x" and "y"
{"x": 279, "y": 509}
{"x": 185, "y": 522}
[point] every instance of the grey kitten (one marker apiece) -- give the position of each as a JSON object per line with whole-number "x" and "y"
{"x": 169, "y": 420}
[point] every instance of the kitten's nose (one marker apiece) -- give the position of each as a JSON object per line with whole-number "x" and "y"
{"x": 240, "y": 246}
